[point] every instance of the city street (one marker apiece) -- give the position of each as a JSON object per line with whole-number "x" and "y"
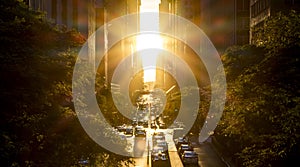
{"x": 207, "y": 156}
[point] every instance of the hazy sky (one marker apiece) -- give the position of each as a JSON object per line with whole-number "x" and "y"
{"x": 150, "y": 5}
{"x": 147, "y": 40}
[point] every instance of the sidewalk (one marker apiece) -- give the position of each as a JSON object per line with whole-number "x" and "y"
{"x": 215, "y": 148}
{"x": 215, "y": 145}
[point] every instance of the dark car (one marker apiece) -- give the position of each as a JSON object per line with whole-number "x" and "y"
{"x": 158, "y": 157}
{"x": 140, "y": 133}
{"x": 189, "y": 157}
{"x": 184, "y": 147}
{"x": 161, "y": 143}
{"x": 134, "y": 123}
{"x": 180, "y": 140}
{"x": 153, "y": 125}
{"x": 129, "y": 131}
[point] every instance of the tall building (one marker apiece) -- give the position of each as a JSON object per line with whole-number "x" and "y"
{"x": 88, "y": 15}
{"x": 168, "y": 63}
{"x": 190, "y": 9}
{"x": 260, "y": 10}
{"x": 226, "y": 22}
{"x": 78, "y": 14}
{"x": 187, "y": 9}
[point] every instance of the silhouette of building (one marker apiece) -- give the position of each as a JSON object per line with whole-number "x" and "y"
{"x": 87, "y": 16}
{"x": 226, "y": 22}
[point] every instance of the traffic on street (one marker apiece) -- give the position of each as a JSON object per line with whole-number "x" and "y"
{"x": 151, "y": 142}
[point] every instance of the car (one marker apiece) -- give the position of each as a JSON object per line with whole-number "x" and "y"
{"x": 129, "y": 131}
{"x": 155, "y": 157}
{"x": 162, "y": 125}
{"x": 140, "y": 133}
{"x": 159, "y": 133}
{"x": 158, "y": 137}
{"x": 140, "y": 123}
{"x": 161, "y": 143}
{"x": 184, "y": 147}
{"x": 134, "y": 123}
{"x": 189, "y": 157}
{"x": 153, "y": 125}
{"x": 159, "y": 160}
{"x": 83, "y": 161}
{"x": 138, "y": 127}
{"x": 121, "y": 128}
{"x": 145, "y": 124}
{"x": 180, "y": 140}
{"x": 157, "y": 149}
{"x": 159, "y": 156}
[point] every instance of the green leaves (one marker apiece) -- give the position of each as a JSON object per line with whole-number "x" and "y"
{"x": 38, "y": 123}
{"x": 278, "y": 32}
{"x": 260, "y": 120}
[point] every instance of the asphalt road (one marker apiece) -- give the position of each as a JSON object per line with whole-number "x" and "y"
{"x": 206, "y": 154}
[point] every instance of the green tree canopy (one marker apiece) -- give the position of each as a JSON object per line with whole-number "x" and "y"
{"x": 260, "y": 124}
{"x": 278, "y": 32}
{"x": 38, "y": 124}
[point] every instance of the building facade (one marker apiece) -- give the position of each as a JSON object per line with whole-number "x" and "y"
{"x": 226, "y": 22}
{"x": 189, "y": 10}
{"x": 77, "y": 14}
{"x": 86, "y": 16}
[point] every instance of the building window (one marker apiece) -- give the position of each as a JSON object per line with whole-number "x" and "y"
{"x": 54, "y": 10}
{"x": 259, "y": 6}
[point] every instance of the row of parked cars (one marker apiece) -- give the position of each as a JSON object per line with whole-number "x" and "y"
{"x": 186, "y": 151}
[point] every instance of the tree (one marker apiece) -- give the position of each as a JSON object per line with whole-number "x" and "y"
{"x": 278, "y": 32}
{"x": 259, "y": 122}
{"x": 38, "y": 124}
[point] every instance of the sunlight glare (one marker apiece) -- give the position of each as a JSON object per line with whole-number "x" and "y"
{"x": 149, "y": 75}
{"x": 148, "y": 41}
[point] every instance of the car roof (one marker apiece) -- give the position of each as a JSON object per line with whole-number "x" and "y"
{"x": 158, "y": 148}
{"x": 189, "y": 152}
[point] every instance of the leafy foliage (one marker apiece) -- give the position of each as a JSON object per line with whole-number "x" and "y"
{"x": 260, "y": 123}
{"x": 38, "y": 124}
{"x": 279, "y": 32}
